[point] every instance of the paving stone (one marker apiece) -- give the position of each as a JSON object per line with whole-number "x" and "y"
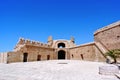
{"x": 52, "y": 70}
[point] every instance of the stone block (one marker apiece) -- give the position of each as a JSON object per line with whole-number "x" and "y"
{"x": 108, "y": 70}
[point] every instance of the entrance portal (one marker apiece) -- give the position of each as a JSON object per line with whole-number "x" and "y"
{"x": 39, "y": 58}
{"x": 61, "y": 54}
{"x": 25, "y": 55}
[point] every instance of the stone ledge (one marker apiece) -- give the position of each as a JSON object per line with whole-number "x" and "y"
{"x": 83, "y": 45}
{"x": 107, "y": 27}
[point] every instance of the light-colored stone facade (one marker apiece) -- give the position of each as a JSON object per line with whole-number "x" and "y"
{"x": 88, "y": 52}
{"x": 107, "y": 38}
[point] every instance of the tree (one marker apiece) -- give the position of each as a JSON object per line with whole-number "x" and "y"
{"x": 114, "y": 54}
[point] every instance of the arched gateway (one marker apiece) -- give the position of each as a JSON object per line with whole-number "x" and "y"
{"x": 61, "y": 54}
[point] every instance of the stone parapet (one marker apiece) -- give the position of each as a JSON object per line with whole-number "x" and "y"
{"x": 108, "y": 27}
{"x": 30, "y": 42}
{"x": 83, "y": 45}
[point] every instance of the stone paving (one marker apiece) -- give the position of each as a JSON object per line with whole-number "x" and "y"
{"x": 53, "y": 70}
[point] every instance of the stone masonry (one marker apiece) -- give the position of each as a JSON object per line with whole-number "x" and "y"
{"x": 106, "y": 38}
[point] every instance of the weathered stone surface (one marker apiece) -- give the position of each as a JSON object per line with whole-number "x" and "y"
{"x": 108, "y": 70}
{"x": 109, "y": 36}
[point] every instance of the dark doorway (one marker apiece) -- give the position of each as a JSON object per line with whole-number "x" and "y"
{"x": 61, "y": 45}
{"x": 48, "y": 57}
{"x": 39, "y": 58}
{"x": 72, "y": 56}
{"x": 82, "y": 56}
{"x": 61, "y": 54}
{"x": 25, "y": 56}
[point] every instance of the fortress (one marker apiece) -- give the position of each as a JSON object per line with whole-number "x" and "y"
{"x": 106, "y": 38}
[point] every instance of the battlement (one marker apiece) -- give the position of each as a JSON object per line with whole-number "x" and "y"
{"x": 23, "y": 41}
{"x": 108, "y": 27}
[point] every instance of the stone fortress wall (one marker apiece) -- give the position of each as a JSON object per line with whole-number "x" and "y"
{"x": 35, "y": 51}
{"x": 109, "y": 36}
{"x": 106, "y": 38}
{"x": 87, "y": 52}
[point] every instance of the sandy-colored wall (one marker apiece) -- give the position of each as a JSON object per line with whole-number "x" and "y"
{"x": 99, "y": 56}
{"x": 110, "y": 38}
{"x": 14, "y": 57}
{"x": 33, "y": 52}
{"x": 3, "y": 57}
{"x": 89, "y": 52}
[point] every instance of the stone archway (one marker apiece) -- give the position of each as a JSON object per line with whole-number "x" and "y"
{"x": 61, "y": 45}
{"x": 61, "y": 54}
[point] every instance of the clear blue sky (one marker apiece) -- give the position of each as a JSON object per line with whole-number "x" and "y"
{"x": 38, "y": 19}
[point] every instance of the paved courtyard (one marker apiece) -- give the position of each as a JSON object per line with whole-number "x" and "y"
{"x": 53, "y": 70}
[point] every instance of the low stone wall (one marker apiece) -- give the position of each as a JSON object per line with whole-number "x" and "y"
{"x": 108, "y": 70}
{"x": 3, "y": 57}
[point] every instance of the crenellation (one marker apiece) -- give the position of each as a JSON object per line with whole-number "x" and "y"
{"x": 28, "y": 42}
{"x": 21, "y": 41}
{"x": 31, "y": 42}
{"x": 37, "y": 43}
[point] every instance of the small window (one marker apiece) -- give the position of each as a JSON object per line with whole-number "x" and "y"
{"x": 118, "y": 36}
{"x": 61, "y": 45}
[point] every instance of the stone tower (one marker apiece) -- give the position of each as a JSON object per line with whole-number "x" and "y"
{"x": 50, "y": 40}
